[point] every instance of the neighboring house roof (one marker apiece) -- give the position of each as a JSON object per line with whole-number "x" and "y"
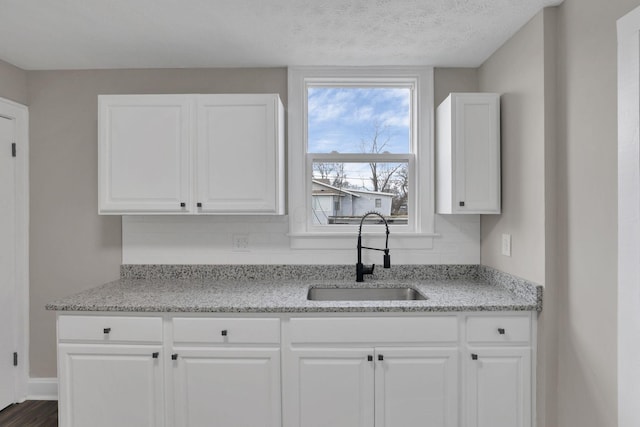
{"x": 374, "y": 193}
{"x": 331, "y": 190}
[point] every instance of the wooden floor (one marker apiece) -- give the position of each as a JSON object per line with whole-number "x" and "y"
{"x": 32, "y": 413}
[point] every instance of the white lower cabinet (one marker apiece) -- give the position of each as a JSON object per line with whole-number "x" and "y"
{"x": 416, "y": 387}
{"x": 498, "y": 370}
{"x": 371, "y": 371}
{"x": 110, "y": 385}
{"x": 498, "y": 387}
{"x": 330, "y": 387}
{"x": 364, "y": 387}
{"x": 444, "y": 370}
{"x": 226, "y": 387}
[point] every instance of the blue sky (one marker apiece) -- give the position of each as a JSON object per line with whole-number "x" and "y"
{"x": 341, "y": 118}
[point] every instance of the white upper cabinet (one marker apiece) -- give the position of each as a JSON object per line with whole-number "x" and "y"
{"x": 144, "y": 146}
{"x": 239, "y": 154}
{"x": 191, "y": 154}
{"x": 468, "y": 154}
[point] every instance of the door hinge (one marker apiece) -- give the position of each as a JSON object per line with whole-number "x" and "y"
{"x": 13, "y": 149}
{"x": 15, "y": 359}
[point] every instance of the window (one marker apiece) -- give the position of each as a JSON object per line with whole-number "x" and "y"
{"x": 361, "y": 137}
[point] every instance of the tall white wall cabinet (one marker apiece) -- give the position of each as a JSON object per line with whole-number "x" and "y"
{"x": 191, "y": 154}
{"x": 468, "y": 154}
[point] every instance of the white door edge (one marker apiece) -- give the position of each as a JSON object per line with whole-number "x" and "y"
{"x": 20, "y": 114}
{"x": 628, "y": 218}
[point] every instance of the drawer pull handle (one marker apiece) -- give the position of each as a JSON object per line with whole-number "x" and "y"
{"x": 224, "y": 332}
{"x": 183, "y": 204}
{"x": 199, "y": 204}
{"x": 501, "y": 331}
{"x": 155, "y": 355}
{"x": 106, "y": 330}
{"x": 380, "y": 357}
{"x": 174, "y": 356}
{"x": 370, "y": 358}
{"x": 474, "y": 357}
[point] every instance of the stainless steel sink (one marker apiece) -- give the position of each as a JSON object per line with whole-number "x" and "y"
{"x": 364, "y": 294}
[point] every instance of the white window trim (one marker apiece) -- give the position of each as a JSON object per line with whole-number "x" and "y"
{"x": 302, "y": 233}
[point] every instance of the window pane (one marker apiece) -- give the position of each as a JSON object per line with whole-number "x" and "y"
{"x": 343, "y": 192}
{"x": 358, "y": 120}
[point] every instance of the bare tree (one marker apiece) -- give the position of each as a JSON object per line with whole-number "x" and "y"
{"x": 381, "y": 173}
{"x": 331, "y": 173}
{"x": 400, "y": 189}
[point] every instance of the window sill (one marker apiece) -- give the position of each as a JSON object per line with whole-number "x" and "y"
{"x": 348, "y": 240}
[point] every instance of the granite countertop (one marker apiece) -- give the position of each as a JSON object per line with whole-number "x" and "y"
{"x": 283, "y": 289}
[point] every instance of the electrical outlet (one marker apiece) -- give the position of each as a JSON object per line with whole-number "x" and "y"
{"x": 240, "y": 243}
{"x": 506, "y": 244}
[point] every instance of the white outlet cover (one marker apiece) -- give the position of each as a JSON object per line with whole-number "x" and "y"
{"x": 506, "y": 244}
{"x": 240, "y": 243}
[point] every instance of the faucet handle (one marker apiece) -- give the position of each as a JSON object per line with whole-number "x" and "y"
{"x": 387, "y": 260}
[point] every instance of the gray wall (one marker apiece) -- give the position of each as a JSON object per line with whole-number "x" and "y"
{"x": 587, "y": 211}
{"x": 516, "y": 71}
{"x": 13, "y": 83}
{"x": 577, "y": 261}
{"x": 523, "y": 71}
{"x": 72, "y": 248}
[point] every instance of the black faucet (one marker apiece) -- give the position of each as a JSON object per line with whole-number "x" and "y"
{"x": 361, "y": 270}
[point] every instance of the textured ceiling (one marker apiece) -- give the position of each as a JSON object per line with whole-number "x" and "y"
{"x": 81, "y": 34}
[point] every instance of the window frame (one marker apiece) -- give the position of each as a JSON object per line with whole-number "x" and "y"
{"x": 420, "y": 229}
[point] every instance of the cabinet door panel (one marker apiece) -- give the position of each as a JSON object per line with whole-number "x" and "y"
{"x": 110, "y": 385}
{"x": 499, "y": 387}
{"x": 227, "y": 387}
{"x": 477, "y": 154}
{"x": 416, "y": 384}
{"x": 330, "y": 387}
{"x": 144, "y": 153}
{"x": 237, "y": 154}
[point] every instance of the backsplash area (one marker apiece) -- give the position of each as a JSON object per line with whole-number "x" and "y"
{"x": 209, "y": 240}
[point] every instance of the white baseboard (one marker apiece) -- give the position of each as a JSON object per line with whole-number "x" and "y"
{"x": 42, "y": 389}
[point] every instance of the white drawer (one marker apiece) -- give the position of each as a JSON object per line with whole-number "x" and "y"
{"x": 374, "y": 330}
{"x": 110, "y": 328}
{"x": 220, "y": 331}
{"x": 498, "y": 329}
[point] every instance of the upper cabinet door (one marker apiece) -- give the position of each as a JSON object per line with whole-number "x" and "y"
{"x": 468, "y": 154}
{"x": 240, "y": 154}
{"x": 144, "y": 153}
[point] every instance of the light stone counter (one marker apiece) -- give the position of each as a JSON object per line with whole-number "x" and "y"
{"x": 283, "y": 289}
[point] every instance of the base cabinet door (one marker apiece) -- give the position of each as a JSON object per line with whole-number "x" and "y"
{"x": 498, "y": 387}
{"x": 110, "y": 385}
{"x": 222, "y": 387}
{"x": 416, "y": 387}
{"x": 330, "y": 387}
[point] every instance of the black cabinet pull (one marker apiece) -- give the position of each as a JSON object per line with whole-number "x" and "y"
{"x": 501, "y": 331}
{"x": 370, "y": 358}
{"x": 474, "y": 357}
{"x": 224, "y": 332}
{"x": 461, "y": 203}
{"x": 183, "y": 204}
{"x": 106, "y": 330}
{"x": 199, "y": 204}
{"x": 380, "y": 357}
{"x": 155, "y": 355}
{"x": 174, "y": 356}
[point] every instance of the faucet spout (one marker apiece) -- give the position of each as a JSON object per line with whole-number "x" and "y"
{"x": 361, "y": 269}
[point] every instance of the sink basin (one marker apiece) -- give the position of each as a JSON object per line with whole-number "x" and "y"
{"x": 364, "y": 294}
